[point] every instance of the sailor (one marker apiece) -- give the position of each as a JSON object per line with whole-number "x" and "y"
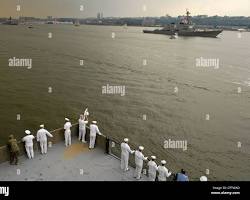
{"x": 163, "y": 172}
{"x": 152, "y": 169}
{"x": 203, "y": 178}
{"x": 14, "y": 149}
{"x": 182, "y": 176}
{"x": 93, "y": 131}
{"x": 28, "y": 139}
{"x": 125, "y": 151}
{"x": 41, "y": 137}
{"x": 67, "y": 133}
{"x": 82, "y": 128}
{"x": 139, "y": 158}
{"x": 86, "y": 114}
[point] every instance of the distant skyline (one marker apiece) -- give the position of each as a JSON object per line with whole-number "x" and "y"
{"x": 123, "y": 8}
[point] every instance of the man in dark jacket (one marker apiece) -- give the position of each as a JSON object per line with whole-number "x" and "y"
{"x": 14, "y": 149}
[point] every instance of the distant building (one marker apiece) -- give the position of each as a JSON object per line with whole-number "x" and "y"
{"x": 201, "y": 16}
{"x": 148, "y": 22}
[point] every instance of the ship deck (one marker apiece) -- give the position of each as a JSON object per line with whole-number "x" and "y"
{"x": 74, "y": 163}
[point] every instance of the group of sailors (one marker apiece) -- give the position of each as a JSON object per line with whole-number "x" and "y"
{"x": 42, "y": 134}
{"x": 83, "y": 121}
{"x": 153, "y": 168}
{"x": 41, "y": 137}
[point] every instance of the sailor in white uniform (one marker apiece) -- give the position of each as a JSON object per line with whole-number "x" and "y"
{"x": 139, "y": 158}
{"x": 93, "y": 131}
{"x": 41, "y": 137}
{"x": 125, "y": 151}
{"x": 67, "y": 132}
{"x": 163, "y": 172}
{"x": 28, "y": 139}
{"x": 152, "y": 168}
{"x": 86, "y": 114}
{"x": 82, "y": 128}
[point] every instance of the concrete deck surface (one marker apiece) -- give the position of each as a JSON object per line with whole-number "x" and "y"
{"x": 74, "y": 163}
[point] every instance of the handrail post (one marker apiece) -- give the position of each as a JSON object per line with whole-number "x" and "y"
{"x": 107, "y": 145}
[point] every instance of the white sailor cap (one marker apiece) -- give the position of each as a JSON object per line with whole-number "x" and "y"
{"x": 141, "y": 148}
{"x": 66, "y": 119}
{"x": 153, "y": 157}
{"x": 203, "y": 178}
{"x": 42, "y": 126}
{"x": 27, "y": 132}
{"x": 163, "y": 162}
{"x": 126, "y": 139}
{"x": 94, "y": 122}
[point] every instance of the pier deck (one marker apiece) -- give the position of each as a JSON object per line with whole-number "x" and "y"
{"x": 74, "y": 163}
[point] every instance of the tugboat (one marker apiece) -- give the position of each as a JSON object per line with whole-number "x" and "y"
{"x": 185, "y": 28}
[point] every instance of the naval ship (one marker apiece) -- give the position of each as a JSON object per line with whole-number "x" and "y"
{"x": 185, "y": 28}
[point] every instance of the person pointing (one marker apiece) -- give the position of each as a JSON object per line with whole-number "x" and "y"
{"x": 41, "y": 137}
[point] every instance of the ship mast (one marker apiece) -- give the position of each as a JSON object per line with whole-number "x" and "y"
{"x": 189, "y": 21}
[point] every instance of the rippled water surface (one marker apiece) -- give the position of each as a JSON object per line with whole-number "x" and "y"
{"x": 212, "y": 144}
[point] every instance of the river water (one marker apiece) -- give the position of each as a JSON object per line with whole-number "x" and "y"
{"x": 210, "y": 110}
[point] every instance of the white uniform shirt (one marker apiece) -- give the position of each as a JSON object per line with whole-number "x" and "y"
{"x": 152, "y": 167}
{"x": 42, "y": 134}
{"x": 67, "y": 126}
{"x": 163, "y": 173}
{"x": 28, "y": 139}
{"x": 82, "y": 123}
{"x": 125, "y": 149}
{"x": 139, "y": 157}
{"x": 94, "y": 129}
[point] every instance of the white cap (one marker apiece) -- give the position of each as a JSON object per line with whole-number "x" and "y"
{"x": 94, "y": 122}
{"x": 66, "y": 119}
{"x": 203, "y": 178}
{"x": 27, "y": 132}
{"x": 126, "y": 139}
{"x": 42, "y": 126}
{"x": 153, "y": 157}
{"x": 141, "y": 148}
{"x": 163, "y": 162}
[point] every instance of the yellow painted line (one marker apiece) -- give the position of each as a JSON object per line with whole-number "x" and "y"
{"x": 75, "y": 149}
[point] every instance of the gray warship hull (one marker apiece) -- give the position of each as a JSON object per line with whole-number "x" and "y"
{"x": 206, "y": 33}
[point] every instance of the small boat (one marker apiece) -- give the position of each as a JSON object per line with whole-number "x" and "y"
{"x": 174, "y": 36}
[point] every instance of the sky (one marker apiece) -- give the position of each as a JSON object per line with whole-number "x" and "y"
{"x": 123, "y": 8}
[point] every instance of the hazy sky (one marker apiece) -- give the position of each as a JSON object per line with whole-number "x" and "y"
{"x": 123, "y": 8}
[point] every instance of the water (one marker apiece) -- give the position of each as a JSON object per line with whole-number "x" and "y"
{"x": 212, "y": 144}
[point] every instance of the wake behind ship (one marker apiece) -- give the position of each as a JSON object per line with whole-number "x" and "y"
{"x": 185, "y": 28}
